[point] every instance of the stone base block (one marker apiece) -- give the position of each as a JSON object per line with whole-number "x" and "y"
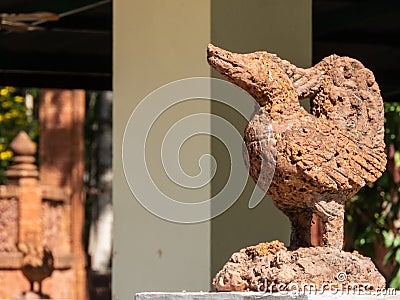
{"x": 270, "y": 267}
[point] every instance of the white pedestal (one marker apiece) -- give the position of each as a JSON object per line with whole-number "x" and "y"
{"x": 388, "y": 295}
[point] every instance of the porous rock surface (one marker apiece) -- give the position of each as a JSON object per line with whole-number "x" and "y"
{"x": 270, "y": 267}
{"x": 322, "y": 158}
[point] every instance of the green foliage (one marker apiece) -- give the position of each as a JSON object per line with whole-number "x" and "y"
{"x": 372, "y": 215}
{"x": 14, "y": 117}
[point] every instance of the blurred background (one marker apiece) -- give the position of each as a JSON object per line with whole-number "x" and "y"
{"x": 55, "y": 70}
{"x": 57, "y": 202}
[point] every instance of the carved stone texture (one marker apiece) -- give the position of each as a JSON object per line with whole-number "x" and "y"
{"x": 23, "y": 165}
{"x": 270, "y": 267}
{"x": 23, "y": 145}
{"x": 37, "y": 264}
{"x": 8, "y": 225}
{"x": 55, "y": 232}
{"x": 323, "y": 157}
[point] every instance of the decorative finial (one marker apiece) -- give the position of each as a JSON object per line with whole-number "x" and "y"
{"x": 23, "y": 145}
{"x": 23, "y": 165}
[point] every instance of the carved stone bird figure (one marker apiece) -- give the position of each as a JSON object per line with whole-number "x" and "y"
{"x": 37, "y": 264}
{"x": 323, "y": 157}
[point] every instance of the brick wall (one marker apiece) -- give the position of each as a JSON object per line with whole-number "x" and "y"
{"x": 43, "y": 212}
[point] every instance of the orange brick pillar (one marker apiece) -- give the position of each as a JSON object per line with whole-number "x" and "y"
{"x": 61, "y": 153}
{"x": 24, "y": 174}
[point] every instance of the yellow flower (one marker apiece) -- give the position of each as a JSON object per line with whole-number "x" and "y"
{"x": 5, "y": 104}
{"x": 18, "y": 99}
{"x": 1, "y": 118}
{"x": 4, "y": 92}
{"x": 6, "y": 155}
{"x": 14, "y": 113}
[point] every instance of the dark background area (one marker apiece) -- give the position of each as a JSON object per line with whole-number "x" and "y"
{"x": 366, "y": 30}
{"x": 73, "y": 52}
{"x": 76, "y": 51}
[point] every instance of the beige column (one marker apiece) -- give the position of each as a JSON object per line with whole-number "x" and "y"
{"x": 157, "y": 42}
